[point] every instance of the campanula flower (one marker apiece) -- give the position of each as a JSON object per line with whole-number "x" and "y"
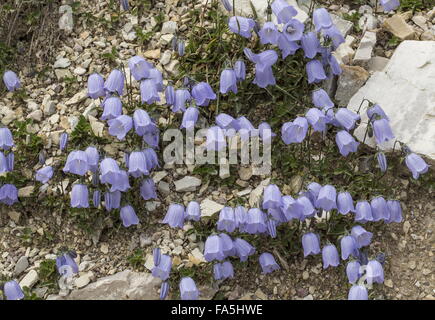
{"x": 96, "y": 198}
{"x": 346, "y": 118}
{"x": 128, "y": 216}
{"x": 382, "y": 131}
{"x": 95, "y": 86}
{"x": 137, "y": 164}
{"x": 361, "y": 236}
{"x": 291, "y": 208}
{"x": 115, "y": 82}
{"x": 188, "y": 289}
{"x": 79, "y": 196}
{"x": 293, "y": 30}
{"x": 11, "y": 80}
{"x": 346, "y": 143}
{"x": 139, "y": 67}
{"x": 262, "y": 60}
{"x": 125, "y": 6}
{"x": 353, "y": 271}
{"x": 330, "y": 256}
{"x": 390, "y": 5}
{"x": 181, "y": 46}
{"x": 157, "y": 78}
{"x": 276, "y": 215}
{"x": 416, "y": 165}
{"x": 203, "y": 93}
{"x": 363, "y": 212}
{"x": 294, "y": 131}
{"x": 241, "y": 218}
{"x": 148, "y": 189}
{"x": 313, "y": 191}
{"x": 286, "y": 46}
{"x": 112, "y": 200}
{"x": 3, "y": 163}
{"x": 190, "y": 117}
{"x": 310, "y": 44}
{"x": 315, "y": 71}
{"x": 395, "y": 211}
{"x": 76, "y": 163}
{"x": 213, "y": 249}
{"x": 120, "y": 126}
{"x": 264, "y": 77}
{"x": 223, "y": 270}
{"x": 121, "y": 183}
{"x": 226, "y": 220}
{"x": 12, "y": 290}
{"x": 255, "y": 221}
{"x": 109, "y": 171}
{"x": 8, "y": 194}
{"x": 246, "y": 128}
{"x": 321, "y": 99}
{"x": 6, "y": 140}
{"x": 175, "y": 216}
{"x": 271, "y": 227}
{"x": 335, "y": 35}
{"x": 227, "y": 122}
{"x": 322, "y": 19}
{"x": 112, "y": 108}
{"x": 66, "y": 260}
{"x": 181, "y": 97}
{"x": 308, "y": 207}
{"x": 228, "y": 81}
{"x": 151, "y": 158}
{"x": 240, "y": 70}
{"x": 345, "y": 203}
{"x": 43, "y": 175}
{"x": 269, "y": 34}
{"x": 148, "y": 91}
{"x": 142, "y": 122}
{"x": 265, "y": 132}
{"x": 382, "y": 161}
{"x": 241, "y": 26}
{"x": 163, "y": 269}
{"x": 283, "y": 11}
{"x": 379, "y": 209}
{"x": 227, "y": 5}
{"x": 243, "y": 249}
{"x": 348, "y": 247}
{"x": 327, "y": 198}
{"x": 193, "y": 211}
{"x": 376, "y": 111}
{"x": 215, "y": 139}
{"x": 316, "y": 119}
{"x": 358, "y": 292}
{"x": 268, "y": 263}
{"x": 63, "y": 141}
{"x": 310, "y": 244}
{"x": 152, "y": 136}
{"x": 10, "y": 161}
{"x": 374, "y": 272}
{"x": 93, "y": 157}
{"x": 164, "y": 290}
{"x": 227, "y": 245}
{"x": 272, "y": 197}
{"x": 170, "y": 95}
{"x": 157, "y": 256}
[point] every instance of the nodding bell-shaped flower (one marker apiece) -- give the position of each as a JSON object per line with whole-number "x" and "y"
{"x": 310, "y": 244}
{"x": 227, "y": 5}
{"x": 335, "y": 35}
{"x": 256, "y": 222}
{"x": 268, "y": 263}
{"x": 241, "y": 218}
{"x": 327, "y": 198}
{"x": 294, "y": 131}
{"x": 79, "y": 196}
{"x": 193, "y": 211}
{"x": 227, "y": 245}
{"x": 175, "y": 216}
{"x": 382, "y": 161}
{"x": 115, "y": 82}
{"x": 316, "y": 119}
{"x": 272, "y": 197}
{"x": 395, "y": 211}
{"x": 265, "y": 132}
{"x": 363, "y": 212}
{"x": 112, "y": 108}
{"x": 213, "y": 248}
{"x": 109, "y": 171}
{"x": 93, "y": 158}
{"x": 313, "y": 190}
{"x": 77, "y": 163}
{"x": 43, "y": 175}
{"x": 163, "y": 268}
{"x": 120, "y": 126}
{"x": 215, "y": 139}
{"x": 170, "y": 95}
{"x": 142, "y": 122}
{"x": 374, "y": 272}
{"x": 128, "y": 216}
{"x": 321, "y": 19}
{"x": 151, "y": 158}
{"x": 361, "y": 236}
{"x": 6, "y": 140}
{"x": 416, "y": 165}
{"x": 96, "y": 86}
{"x": 11, "y": 80}
{"x": 358, "y": 292}
{"x": 3, "y": 163}
{"x": 246, "y": 128}
{"x": 12, "y": 291}
{"x": 223, "y": 270}
{"x": 345, "y": 203}
{"x": 310, "y": 44}
{"x": 379, "y": 209}
{"x": 275, "y": 215}
{"x": 66, "y": 260}
{"x": 243, "y": 249}
{"x": 148, "y": 189}
{"x": 330, "y": 256}
{"x": 321, "y": 99}
{"x": 283, "y": 11}
{"x": 348, "y": 247}
{"x": 188, "y": 289}
{"x": 346, "y": 118}
{"x": 203, "y": 93}
{"x": 63, "y": 141}
{"x": 241, "y": 26}
{"x": 269, "y": 34}
{"x": 240, "y": 70}
{"x": 164, "y": 290}
{"x": 382, "y": 131}
{"x": 112, "y": 200}
{"x": 137, "y": 164}
{"x": 346, "y": 143}
{"x": 181, "y": 97}
{"x": 262, "y": 60}
{"x": 139, "y": 67}
{"x": 308, "y": 207}
{"x": 156, "y": 256}
{"x": 353, "y": 271}
{"x": 293, "y": 30}
{"x": 228, "y": 81}
{"x": 286, "y": 46}
{"x": 291, "y": 208}
{"x": 376, "y": 111}
{"x": 390, "y": 5}
{"x": 121, "y": 183}
{"x": 10, "y": 161}
{"x": 148, "y": 91}
{"x": 181, "y": 46}
{"x": 8, "y": 194}
{"x": 157, "y": 77}
{"x": 226, "y": 220}
{"x": 190, "y": 117}
{"x": 96, "y": 198}
{"x": 315, "y": 71}
{"x": 227, "y": 122}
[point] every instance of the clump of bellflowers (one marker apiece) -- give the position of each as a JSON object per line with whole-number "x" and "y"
{"x": 8, "y": 191}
